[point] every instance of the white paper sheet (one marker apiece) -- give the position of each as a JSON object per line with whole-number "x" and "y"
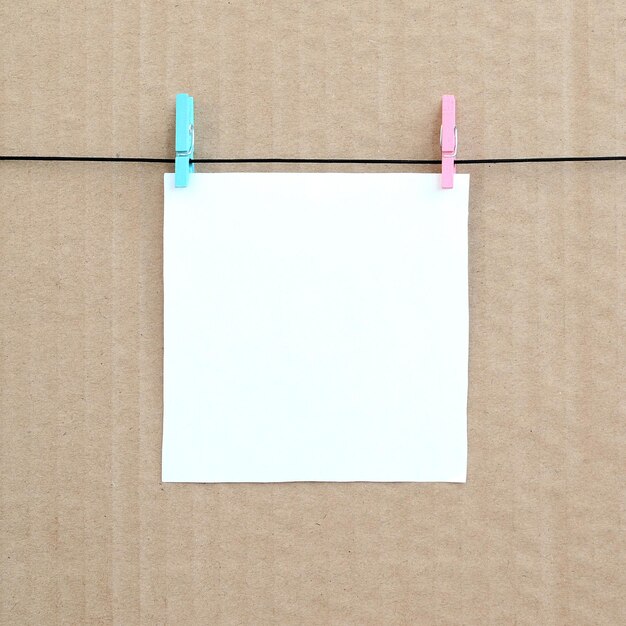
{"x": 316, "y": 328}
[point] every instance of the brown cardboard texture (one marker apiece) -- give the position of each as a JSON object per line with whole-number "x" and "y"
{"x": 89, "y": 535}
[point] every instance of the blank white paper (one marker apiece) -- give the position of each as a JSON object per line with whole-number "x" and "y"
{"x": 316, "y": 328}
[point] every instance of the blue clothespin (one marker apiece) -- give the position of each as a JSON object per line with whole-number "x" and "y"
{"x": 184, "y": 140}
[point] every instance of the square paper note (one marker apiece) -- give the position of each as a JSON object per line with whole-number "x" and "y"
{"x": 316, "y": 328}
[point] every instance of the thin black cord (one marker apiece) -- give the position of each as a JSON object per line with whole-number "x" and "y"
{"x": 86, "y": 158}
{"x": 416, "y": 161}
{"x": 317, "y": 161}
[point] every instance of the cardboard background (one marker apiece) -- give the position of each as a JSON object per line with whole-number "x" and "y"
{"x": 88, "y": 534}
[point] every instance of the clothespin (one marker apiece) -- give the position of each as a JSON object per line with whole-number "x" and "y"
{"x": 448, "y": 140}
{"x": 184, "y": 140}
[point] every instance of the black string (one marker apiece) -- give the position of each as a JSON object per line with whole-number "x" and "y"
{"x": 86, "y": 158}
{"x": 572, "y": 159}
{"x": 416, "y": 161}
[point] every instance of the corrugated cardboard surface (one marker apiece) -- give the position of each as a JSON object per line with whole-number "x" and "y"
{"x": 88, "y": 533}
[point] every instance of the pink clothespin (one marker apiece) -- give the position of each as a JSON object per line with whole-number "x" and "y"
{"x": 448, "y": 141}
